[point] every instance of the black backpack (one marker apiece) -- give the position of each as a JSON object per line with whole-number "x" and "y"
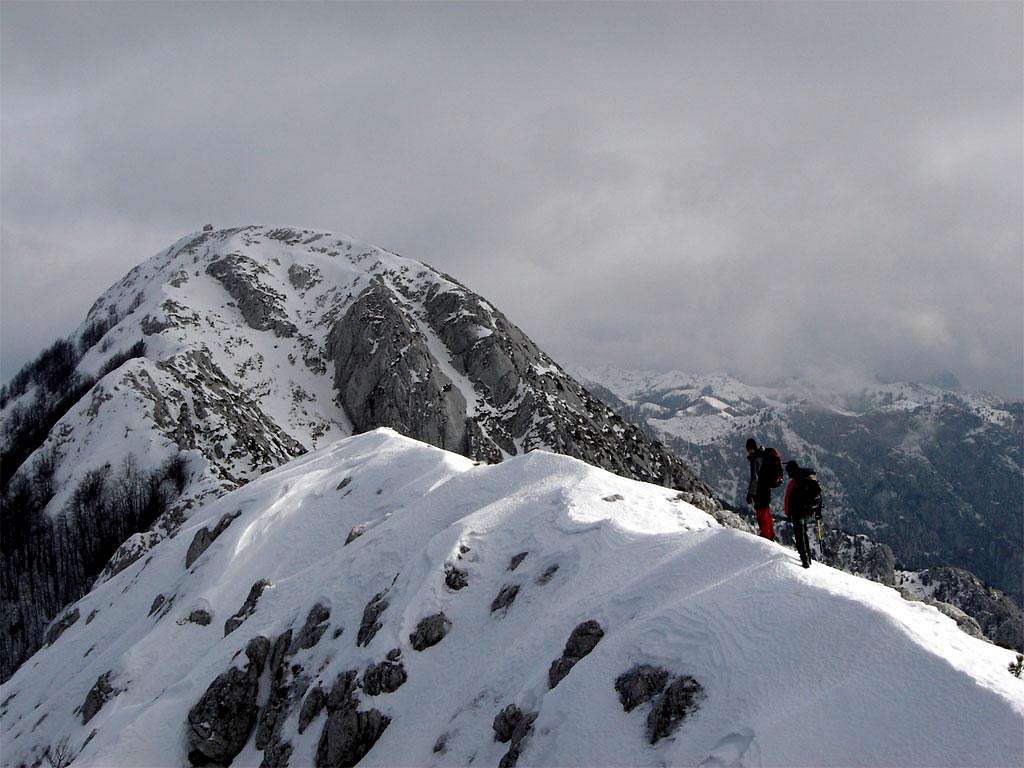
{"x": 770, "y": 475}
{"x": 805, "y": 498}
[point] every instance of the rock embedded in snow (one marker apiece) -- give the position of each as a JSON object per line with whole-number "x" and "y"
{"x": 98, "y": 695}
{"x": 370, "y": 624}
{"x": 679, "y": 700}
{"x": 581, "y": 642}
{"x": 313, "y": 629}
{"x": 511, "y": 726}
{"x": 248, "y": 607}
{"x": 430, "y": 631}
{"x": 312, "y": 706}
{"x": 548, "y": 574}
{"x": 61, "y": 625}
{"x": 455, "y": 578}
{"x": 157, "y": 603}
{"x": 639, "y": 685}
{"x": 348, "y": 734}
{"x": 355, "y": 532}
{"x": 277, "y": 755}
{"x": 505, "y": 597}
{"x": 205, "y": 537}
{"x": 220, "y": 723}
{"x": 200, "y": 616}
{"x": 385, "y": 677}
{"x": 516, "y": 560}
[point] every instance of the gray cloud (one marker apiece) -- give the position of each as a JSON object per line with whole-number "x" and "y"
{"x": 768, "y": 189}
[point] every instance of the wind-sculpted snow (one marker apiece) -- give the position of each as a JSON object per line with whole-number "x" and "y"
{"x": 234, "y": 351}
{"x": 753, "y": 659}
{"x": 935, "y": 474}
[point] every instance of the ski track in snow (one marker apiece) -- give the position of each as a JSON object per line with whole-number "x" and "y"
{"x": 798, "y": 667}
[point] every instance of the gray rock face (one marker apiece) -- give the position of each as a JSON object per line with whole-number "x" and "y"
{"x": 98, "y": 695}
{"x": 205, "y": 537}
{"x": 385, "y": 677}
{"x": 430, "y": 631}
{"x": 283, "y": 691}
{"x": 455, "y": 578}
{"x": 639, "y": 685}
{"x": 348, "y": 734}
{"x": 997, "y": 615}
{"x": 505, "y": 597}
{"x": 61, "y": 625}
{"x": 511, "y": 726}
{"x": 248, "y": 607}
{"x": 277, "y": 755}
{"x": 679, "y": 700}
{"x": 371, "y": 618}
{"x": 386, "y": 375}
{"x": 220, "y": 723}
{"x": 260, "y": 305}
{"x": 581, "y": 642}
{"x": 312, "y": 706}
{"x": 313, "y": 629}
{"x": 860, "y": 555}
{"x": 200, "y": 616}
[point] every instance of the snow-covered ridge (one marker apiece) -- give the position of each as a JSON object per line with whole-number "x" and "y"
{"x": 934, "y": 473}
{"x": 236, "y": 350}
{"x": 356, "y": 544}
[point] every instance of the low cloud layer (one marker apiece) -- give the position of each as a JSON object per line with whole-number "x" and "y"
{"x": 816, "y": 189}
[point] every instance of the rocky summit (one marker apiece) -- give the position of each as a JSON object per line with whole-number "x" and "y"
{"x": 237, "y": 350}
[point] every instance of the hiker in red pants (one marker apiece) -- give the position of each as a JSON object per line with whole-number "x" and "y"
{"x": 765, "y": 474}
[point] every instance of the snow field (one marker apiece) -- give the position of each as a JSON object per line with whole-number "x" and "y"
{"x": 798, "y": 667}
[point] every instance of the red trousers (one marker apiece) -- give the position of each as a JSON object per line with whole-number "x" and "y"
{"x": 764, "y": 522}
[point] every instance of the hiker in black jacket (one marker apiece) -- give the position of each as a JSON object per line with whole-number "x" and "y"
{"x": 802, "y": 501}
{"x": 765, "y": 474}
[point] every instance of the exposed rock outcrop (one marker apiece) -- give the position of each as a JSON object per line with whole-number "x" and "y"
{"x": 205, "y": 537}
{"x": 680, "y": 699}
{"x": 248, "y": 607}
{"x": 101, "y": 692}
{"x": 348, "y": 734}
{"x": 640, "y": 684}
{"x": 371, "y": 618}
{"x": 505, "y": 597}
{"x": 430, "y": 631}
{"x": 581, "y": 642}
{"x": 511, "y": 726}
{"x": 220, "y": 723}
{"x": 385, "y": 677}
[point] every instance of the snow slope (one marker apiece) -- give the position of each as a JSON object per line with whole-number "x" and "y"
{"x": 936, "y": 474}
{"x": 239, "y": 349}
{"x": 797, "y": 667}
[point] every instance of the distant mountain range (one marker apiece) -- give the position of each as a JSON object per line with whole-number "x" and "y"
{"x": 934, "y": 473}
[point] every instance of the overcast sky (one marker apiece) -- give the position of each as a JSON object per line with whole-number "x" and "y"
{"x": 823, "y": 189}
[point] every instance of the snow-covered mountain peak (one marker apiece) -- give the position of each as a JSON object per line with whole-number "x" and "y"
{"x": 236, "y": 350}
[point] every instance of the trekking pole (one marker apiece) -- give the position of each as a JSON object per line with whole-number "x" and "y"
{"x": 820, "y": 531}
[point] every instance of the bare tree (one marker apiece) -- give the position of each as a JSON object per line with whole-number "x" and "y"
{"x": 61, "y": 755}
